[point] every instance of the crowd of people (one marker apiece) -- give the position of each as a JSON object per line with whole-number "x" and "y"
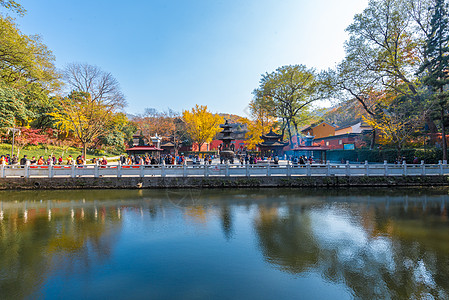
{"x": 151, "y": 160}
{"x": 167, "y": 159}
{"x": 41, "y": 160}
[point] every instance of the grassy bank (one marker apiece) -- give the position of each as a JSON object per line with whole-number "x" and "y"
{"x": 46, "y": 150}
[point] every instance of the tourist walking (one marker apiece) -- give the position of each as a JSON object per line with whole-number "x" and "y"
{"x": 24, "y": 161}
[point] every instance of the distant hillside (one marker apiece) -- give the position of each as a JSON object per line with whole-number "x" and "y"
{"x": 230, "y": 117}
{"x": 345, "y": 113}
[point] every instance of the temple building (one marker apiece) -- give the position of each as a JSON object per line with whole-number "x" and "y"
{"x": 309, "y": 149}
{"x": 144, "y": 150}
{"x": 271, "y": 144}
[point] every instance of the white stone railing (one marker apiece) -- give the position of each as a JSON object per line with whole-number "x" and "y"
{"x": 224, "y": 170}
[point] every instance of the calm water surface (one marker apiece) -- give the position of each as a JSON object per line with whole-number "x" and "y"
{"x": 225, "y": 244}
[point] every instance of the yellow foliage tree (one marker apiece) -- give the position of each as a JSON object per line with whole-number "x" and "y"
{"x": 260, "y": 124}
{"x": 396, "y": 119}
{"x": 201, "y": 124}
{"x": 87, "y": 119}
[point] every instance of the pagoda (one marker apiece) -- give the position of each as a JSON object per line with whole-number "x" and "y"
{"x": 271, "y": 144}
{"x": 226, "y": 148}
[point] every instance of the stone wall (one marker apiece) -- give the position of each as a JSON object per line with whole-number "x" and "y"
{"x": 219, "y": 182}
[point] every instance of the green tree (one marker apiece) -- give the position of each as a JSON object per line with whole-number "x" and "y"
{"x": 12, "y": 107}
{"x": 119, "y": 132}
{"x": 288, "y": 94}
{"x": 436, "y": 63}
{"x": 24, "y": 59}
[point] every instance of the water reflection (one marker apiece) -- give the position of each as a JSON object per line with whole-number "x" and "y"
{"x": 365, "y": 244}
{"x": 378, "y": 251}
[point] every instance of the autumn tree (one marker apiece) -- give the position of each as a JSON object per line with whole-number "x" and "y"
{"x": 383, "y": 54}
{"x": 13, "y": 6}
{"x": 288, "y": 94}
{"x": 260, "y": 122}
{"x": 153, "y": 122}
{"x": 31, "y": 136}
{"x": 167, "y": 124}
{"x": 396, "y": 120}
{"x": 85, "y": 118}
{"x": 201, "y": 125}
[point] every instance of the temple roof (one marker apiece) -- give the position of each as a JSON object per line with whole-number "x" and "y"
{"x": 272, "y": 144}
{"x": 271, "y": 135}
{"x": 168, "y": 144}
{"x": 226, "y": 125}
{"x": 311, "y": 148}
{"x": 144, "y": 148}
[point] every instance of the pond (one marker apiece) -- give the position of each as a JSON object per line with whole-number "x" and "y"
{"x": 225, "y": 244}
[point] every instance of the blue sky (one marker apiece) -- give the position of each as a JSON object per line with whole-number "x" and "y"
{"x": 175, "y": 54}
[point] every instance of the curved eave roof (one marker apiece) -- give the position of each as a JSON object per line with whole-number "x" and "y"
{"x": 144, "y": 148}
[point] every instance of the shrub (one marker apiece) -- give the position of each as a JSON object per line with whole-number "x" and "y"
{"x": 432, "y": 155}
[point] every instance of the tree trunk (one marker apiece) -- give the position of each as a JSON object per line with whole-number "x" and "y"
{"x": 283, "y": 131}
{"x": 400, "y": 152}
{"x": 373, "y": 140}
{"x": 443, "y": 135}
{"x": 296, "y": 131}
{"x": 432, "y": 128}
{"x": 85, "y": 152}
{"x": 290, "y": 134}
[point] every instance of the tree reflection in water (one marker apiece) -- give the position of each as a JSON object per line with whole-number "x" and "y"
{"x": 379, "y": 244}
{"x": 379, "y": 251}
{"x": 34, "y": 246}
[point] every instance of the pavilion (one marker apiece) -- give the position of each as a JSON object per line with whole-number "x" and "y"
{"x": 271, "y": 144}
{"x": 145, "y": 150}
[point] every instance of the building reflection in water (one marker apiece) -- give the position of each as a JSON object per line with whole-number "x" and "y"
{"x": 38, "y": 239}
{"x": 379, "y": 245}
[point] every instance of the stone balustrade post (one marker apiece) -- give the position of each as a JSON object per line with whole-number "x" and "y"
{"x": 50, "y": 169}
{"x": 404, "y": 168}
{"x": 73, "y": 169}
